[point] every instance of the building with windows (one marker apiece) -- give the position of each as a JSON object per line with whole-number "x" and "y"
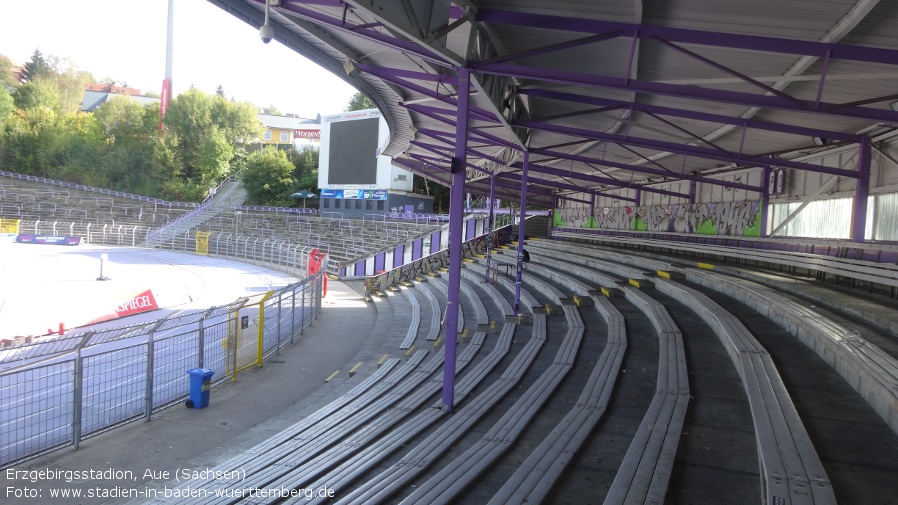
{"x": 96, "y": 94}
{"x": 354, "y": 176}
{"x": 289, "y": 131}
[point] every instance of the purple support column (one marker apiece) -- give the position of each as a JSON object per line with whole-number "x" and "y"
{"x": 859, "y": 219}
{"x": 765, "y": 199}
{"x": 692, "y": 185}
{"x": 456, "y": 215}
{"x": 517, "y": 284}
{"x": 489, "y": 226}
{"x": 638, "y": 201}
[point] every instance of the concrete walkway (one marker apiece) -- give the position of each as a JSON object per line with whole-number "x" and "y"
{"x": 262, "y": 402}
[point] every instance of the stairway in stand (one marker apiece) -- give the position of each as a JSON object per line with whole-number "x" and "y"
{"x": 230, "y": 194}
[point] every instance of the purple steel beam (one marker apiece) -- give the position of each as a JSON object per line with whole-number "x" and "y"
{"x": 456, "y": 215}
{"x": 689, "y": 133}
{"x": 424, "y": 169}
{"x": 685, "y": 91}
{"x": 765, "y": 199}
{"x": 403, "y": 46}
{"x": 507, "y": 184}
{"x": 439, "y": 150}
{"x": 435, "y": 113}
{"x": 388, "y": 75}
{"x": 599, "y": 180}
{"x": 688, "y": 36}
{"x": 553, "y": 48}
{"x": 489, "y": 228}
{"x": 688, "y": 114}
{"x": 697, "y": 151}
{"x": 641, "y": 169}
{"x": 520, "y": 264}
{"x": 571, "y": 187}
{"x": 505, "y": 190}
{"x": 728, "y": 70}
{"x": 859, "y": 217}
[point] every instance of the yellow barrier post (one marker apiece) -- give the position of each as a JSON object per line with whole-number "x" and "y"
{"x": 236, "y": 347}
{"x": 202, "y": 242}
{"x": 382, "y": 360}
{"x": 354, "y": 369}
{"x": 260, "y": 349}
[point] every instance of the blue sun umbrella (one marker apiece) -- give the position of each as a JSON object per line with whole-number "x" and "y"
{"x": 305, "y": 193}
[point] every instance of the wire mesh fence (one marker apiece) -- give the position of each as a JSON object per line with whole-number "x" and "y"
{"x": 56, "y": 392}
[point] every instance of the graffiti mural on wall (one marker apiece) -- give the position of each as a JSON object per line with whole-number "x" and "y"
{"x": 740, "y": 218}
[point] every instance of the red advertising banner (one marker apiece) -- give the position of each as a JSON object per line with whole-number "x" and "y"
{"x": 307, "y": 134}
{"x": 163, "y": 102}
{"x": 142, "y": 302}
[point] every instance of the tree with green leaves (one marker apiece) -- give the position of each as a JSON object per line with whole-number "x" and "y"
{"x": 7, "y": 76}
{"x": 360, "y": 102}
{"x": 202, "y": 132}
{"x": 305, "y": 173}
{"x": 219, "y": 91}
{"x": 38, "y": 93}
{"x": 7, "y": 105}
{"x": 129, "y": 137}
{"x": 70, "y": 82}
{"x": 37, "y": 68}
{"x": 271, "y": 110}
{"x": 268, "y": 179}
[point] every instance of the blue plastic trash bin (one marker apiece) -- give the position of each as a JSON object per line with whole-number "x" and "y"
{"x": 200, "y": 384}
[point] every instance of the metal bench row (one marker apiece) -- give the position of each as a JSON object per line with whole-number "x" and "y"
{"x": 462, "y": 471}
{"x": 789, "y": 464}
{"x": 535, "y": 477}
{"x": 646, "y": 468}
{"x": 271, "y": 458}
{"x": 871, "y": 372}
{"x": 469, "y": 412}
{"x": 870, "y": 271}
{"x": 382, "y": 437}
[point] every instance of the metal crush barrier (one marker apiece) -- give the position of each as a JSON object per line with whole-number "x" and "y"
{"x": 58, "y": 390}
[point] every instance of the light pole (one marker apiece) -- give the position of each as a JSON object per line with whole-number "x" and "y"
{"x": 103, "y": 258}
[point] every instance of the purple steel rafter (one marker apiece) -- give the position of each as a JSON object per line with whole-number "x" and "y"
{"x": 520, "y": 264}
{"x": 389, "y": 76}
{"x": 641, "y": 169}
{"x": 598, "y": 180}
{"x": 562, "y": 185}
{"x": 552, "y": 48}
{"x": 765, "y": 199}
{"x": 859, "y": 210}
{"x": 684, "y": 91}
{"x": 400, "y": 45}
{"x": 689, "y": 36}
{"x": 456, "y": 215}
{"x": 688, "y": 114}
{"x": 490, "y": 225}
{"x": 684, "y": 149}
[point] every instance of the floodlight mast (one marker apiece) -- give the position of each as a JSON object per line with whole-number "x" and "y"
{"x": 169, "y": 50}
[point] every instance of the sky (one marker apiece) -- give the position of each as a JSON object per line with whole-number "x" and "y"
{"x": 125, "y": 41}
